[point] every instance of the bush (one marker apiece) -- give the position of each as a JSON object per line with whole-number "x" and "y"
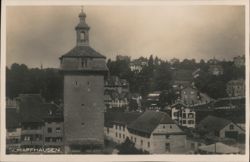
{"x": 128, "y": 147}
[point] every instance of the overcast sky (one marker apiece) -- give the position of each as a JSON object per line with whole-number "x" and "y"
{"x": 40, "y": 35}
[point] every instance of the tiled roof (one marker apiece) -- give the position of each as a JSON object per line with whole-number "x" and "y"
{"x": 219, "y": 148}
{"x": 12, "y": 118}
{"x": 120, "y": 117}
{"x": 212, "y": 123}
{"x": 83, "y": 51}
{"x": 149, "y": 120}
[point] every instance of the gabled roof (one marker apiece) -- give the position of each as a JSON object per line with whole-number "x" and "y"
{"x": 83, "y": 51}
{"x": 124, "y": 118}
{"x": 212, "y": 123}
{"x": 149, "y": 120}
{"x": 179, "y": 105}
{"x": 219, "y": 148}
{"x": 12, "y": 118}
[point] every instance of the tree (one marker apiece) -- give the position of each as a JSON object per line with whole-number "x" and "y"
{"x": 167, "y": 98}
{"x": 21, "y": 79}
{"x": 151, "y": 61}
{"x": 133, "y": 106}
{"x": 128, "y": 147}
{"x": 162, "y": 77}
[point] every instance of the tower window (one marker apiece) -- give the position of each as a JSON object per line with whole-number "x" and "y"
{"x": 84, "y": 63}
{"x": 76, "y": 84}
{"x": 82, "y": 36}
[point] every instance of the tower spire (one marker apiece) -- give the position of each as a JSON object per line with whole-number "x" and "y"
{"x": 82, "y": 30}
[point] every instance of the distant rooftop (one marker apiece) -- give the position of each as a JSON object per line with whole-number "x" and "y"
{"x": 213, "y": 123}
{"x": 149, "y": 120}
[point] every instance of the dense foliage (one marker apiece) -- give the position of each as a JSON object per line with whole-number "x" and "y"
{"x": 156, "y": 76}
{"x": 128, "y": 147}
{"x": 21, "y": 79}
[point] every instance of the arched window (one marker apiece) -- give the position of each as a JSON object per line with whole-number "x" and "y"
{"x": 82, "y": 36}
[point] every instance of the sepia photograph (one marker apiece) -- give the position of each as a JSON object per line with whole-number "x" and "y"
{"x": 125, "y": 80}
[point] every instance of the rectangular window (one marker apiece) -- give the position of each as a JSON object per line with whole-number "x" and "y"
{"x": 141, "y": 142}
{"x": 190, "y": 115}
{"x": 184, "y": 115}
{"x": 116, "y": 134}
{"x": 27, "y": 138}
{"x": 148, "y": 144}
{"x": 59, "y": 139}
{"x": 49, "y": 130}
{"x": 184, "y": 122}
{"x": 119, "y": 135}
{"x": 58, "y": 130}
{"x": 190, "y": 122}
{"x": 54, "y": 139}
{"x": 108, "y": 130}
{"x": 123, "y": 136}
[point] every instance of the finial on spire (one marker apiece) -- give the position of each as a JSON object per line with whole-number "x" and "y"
{"x": 82, "y": 14}
{"x": 82, "y": 9}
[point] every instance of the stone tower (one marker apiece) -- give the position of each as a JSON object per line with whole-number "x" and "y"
{"x": 84, "y": 70}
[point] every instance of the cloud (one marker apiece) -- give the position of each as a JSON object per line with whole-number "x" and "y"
{"x": 42, "y": 34}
